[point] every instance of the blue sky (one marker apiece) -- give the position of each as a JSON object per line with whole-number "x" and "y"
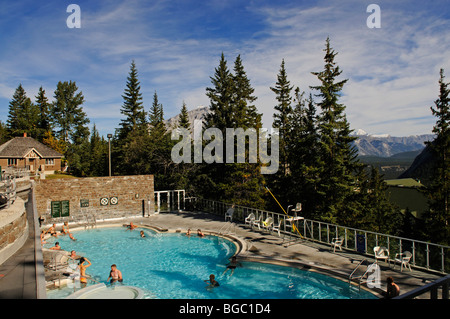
{"x": 393, "y": 71}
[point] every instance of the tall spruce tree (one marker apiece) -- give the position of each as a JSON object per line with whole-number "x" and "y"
{"x": 437, "y": 218}
{"x": 132, "y": 108}
{"x": 184, "y": 118}
{"x": 283, "y": 114}
{"x": 231, "y": 105}
{"x": 44, "y": 123}
{"x": 338, "y": 156}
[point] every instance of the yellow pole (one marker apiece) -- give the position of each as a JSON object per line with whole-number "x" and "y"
{"x": 293, "y": 225}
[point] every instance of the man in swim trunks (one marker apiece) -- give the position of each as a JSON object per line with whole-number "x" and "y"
{"x": 232, "y": 265}
{"x": 115, "y": 274}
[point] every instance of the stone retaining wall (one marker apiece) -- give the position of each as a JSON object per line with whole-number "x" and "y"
{"x": 103, "y": 197}
{"x": 13, "y": 229}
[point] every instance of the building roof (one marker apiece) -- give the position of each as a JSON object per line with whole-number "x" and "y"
{"x": 19, "y": 147}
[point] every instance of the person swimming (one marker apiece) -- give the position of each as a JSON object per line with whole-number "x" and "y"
{"x": 212, "y": 282}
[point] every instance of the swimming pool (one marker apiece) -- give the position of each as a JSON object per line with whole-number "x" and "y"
{"x": 174, "y": 266}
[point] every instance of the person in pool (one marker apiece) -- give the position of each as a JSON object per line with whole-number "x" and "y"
{"x": 65, "y": 228}
{"x": 199, "y": 233}
{"x": 82, "y": 267}
{"x": 212, "y": 283}
{"x": 115, "y": 274}
{"x": 232, "y": 265}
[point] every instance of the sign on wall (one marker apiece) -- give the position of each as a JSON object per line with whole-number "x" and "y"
{"x": 60, "y": 208}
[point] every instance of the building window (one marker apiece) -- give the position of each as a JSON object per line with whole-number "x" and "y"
{"x": 49, "y": 161}
{"x": 12, "y": 161}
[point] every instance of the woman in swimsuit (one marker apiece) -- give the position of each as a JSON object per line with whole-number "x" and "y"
{"x": 65, "y": 228}
{"x": 82, "y": 267}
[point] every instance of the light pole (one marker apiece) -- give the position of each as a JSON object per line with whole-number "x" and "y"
{"x": 109, "y": 146}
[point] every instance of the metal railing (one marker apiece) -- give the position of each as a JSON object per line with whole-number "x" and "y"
{"x": 432, "y": 288}
{"x": 425, "y": 255}
{"x": 8, "y": 192}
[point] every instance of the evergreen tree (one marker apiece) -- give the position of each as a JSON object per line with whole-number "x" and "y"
{"x": 338, "y": 155}
{"x": 23, "y": 116}
{"x": 44, "y": 123}
{"x": 184, "y": 118}
{"x": 68, "y": 117}
{"x": 132, "y": 108}
{"x": 304, "y": 158}
{"x": 282, "y": 117}
{"x": 438, "y": 216}
{"x": 231, "y": 98}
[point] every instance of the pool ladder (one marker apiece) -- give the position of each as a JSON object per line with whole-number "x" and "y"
{"x": 91, "y": 221}
{"x": 228, "y": 228}
{"x": 359, "y": 278}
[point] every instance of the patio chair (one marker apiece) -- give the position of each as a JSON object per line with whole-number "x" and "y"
{"x": 277, "y": 228}
{"x": 249, "y": 219}
{"x": 257, "y": 222}
{"x": 229, "y": 214}
{"x": 267, "y": 224}
{"x": 381, "y": 253}
{"x": 404, "y": 259}
{"x": 337, "y": 243}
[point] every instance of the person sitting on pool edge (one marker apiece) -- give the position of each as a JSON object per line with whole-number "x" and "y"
{"x": 212, "y": 283}
{"x": 115, "y": 274}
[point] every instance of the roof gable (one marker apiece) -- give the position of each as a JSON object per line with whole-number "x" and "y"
{"x": 20, "y": 147}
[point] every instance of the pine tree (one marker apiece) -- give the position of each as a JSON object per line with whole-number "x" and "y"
{"x": 304, "y": 158}
{"x": 437, "y": 219}
{"x": 23, "y": 116}
{"x": 44, "y": 123}
{"x": 184, "y": 118}
{"x": 338, "y": 155}
{"x": 132, "y": 108}
{"x": 282, "y": 117}
{"x": 68, "y": 118}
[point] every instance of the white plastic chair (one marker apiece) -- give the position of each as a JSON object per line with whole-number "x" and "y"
{"x": 249, "y": 219}
{"x": 267, "y": 224}
{"x": 277, "y": 228}
{"x": 404, "y": 259}
{"x": 257, "y": 222}
{"x": 337, "y": 243}
{"x": 229, "y": 214}
{"x": 381, "y": 253}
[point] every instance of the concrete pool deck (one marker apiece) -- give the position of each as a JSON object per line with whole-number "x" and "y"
{"x": 260, "y": 245}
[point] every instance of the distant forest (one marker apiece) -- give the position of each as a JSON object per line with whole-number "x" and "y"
{"x": 319, "y": 166}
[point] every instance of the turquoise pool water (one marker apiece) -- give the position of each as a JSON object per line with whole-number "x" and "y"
{"x": 173, "y": 266}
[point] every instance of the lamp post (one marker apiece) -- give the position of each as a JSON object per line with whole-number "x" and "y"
{"x": 109, "y": 146}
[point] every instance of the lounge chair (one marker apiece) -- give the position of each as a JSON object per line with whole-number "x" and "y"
{"x": 337, "y": 243}
{"x": 249, "y": 219}
{"x": 381, "y": 253}
{"x": 404, "y": 259}
{"x": 229, "y": 214}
